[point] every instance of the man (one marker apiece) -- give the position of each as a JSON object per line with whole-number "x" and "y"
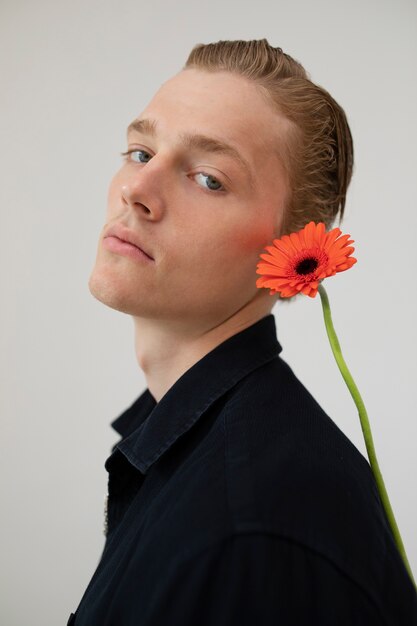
{"x": 233, "y": 498}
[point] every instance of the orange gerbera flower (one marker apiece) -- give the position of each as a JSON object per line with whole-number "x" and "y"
{"x": 300, "y": 261}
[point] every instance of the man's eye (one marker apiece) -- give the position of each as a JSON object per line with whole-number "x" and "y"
{"x": 143, "y": 157}
{"x": 136, "y": 151}
{"x": 213, "y": 183}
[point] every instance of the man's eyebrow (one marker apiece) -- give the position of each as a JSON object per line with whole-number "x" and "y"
{"x": 145, "y": 126}
{"x": 197, "y": 141}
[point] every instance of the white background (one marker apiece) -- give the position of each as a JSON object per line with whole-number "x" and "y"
{"x": 73, "y": 76}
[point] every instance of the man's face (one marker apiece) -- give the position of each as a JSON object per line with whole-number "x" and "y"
{"x": 200, "y": 213}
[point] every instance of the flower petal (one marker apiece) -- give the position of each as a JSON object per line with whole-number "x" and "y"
{"x": 320, "y": 235}
{"x": 284, "y": 248}
{"x": 309, "y": 231}
{"x": 297, "y": 242}
{"x": 331, "y": 237}
{"x": 273, "y": 260}
{"x": 270, "y": 270}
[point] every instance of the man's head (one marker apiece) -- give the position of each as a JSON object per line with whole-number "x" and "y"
{"x": 204, "y": 211}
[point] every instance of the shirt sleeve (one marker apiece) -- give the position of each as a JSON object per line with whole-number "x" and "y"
{"x": 263, "y": 580}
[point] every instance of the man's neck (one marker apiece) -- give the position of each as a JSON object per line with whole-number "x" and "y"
{"x": 166, "y": 350}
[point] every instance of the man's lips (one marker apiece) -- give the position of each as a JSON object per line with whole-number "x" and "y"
{"x": 114, "y": 244}
{"x": 125, "y": 235}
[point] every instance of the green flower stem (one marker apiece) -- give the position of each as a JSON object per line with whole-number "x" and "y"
{"x": 366, "y": 429}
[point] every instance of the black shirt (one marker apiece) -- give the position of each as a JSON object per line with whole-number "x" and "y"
{"x": 235, "y": 500}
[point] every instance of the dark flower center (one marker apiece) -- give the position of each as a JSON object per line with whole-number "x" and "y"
{"x": 306, "y": 266}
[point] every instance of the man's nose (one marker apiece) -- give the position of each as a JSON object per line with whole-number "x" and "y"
{"x": 144, "y": 193}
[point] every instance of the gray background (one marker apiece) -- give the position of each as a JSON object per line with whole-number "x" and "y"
{"x": 73, "y": 76}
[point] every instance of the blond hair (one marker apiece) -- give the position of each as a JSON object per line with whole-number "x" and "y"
{"x": 317, "y": 151}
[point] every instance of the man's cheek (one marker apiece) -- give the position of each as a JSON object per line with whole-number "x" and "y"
{"x": 253, "y": 239}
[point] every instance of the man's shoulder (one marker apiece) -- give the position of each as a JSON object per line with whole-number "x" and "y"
{"x": 291, "y": 471}
{"x": 278, "y": 413}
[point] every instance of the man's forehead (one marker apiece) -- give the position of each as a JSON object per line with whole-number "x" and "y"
{"x": 224, "y": 104}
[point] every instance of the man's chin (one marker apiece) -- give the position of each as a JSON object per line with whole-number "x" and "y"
{"x": 130, "y": 299}
{"x": 110, "y": 294}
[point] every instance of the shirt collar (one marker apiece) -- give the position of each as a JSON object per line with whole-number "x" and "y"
{"x": 149, "y": 428}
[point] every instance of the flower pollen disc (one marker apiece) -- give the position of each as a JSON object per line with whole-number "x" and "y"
{"x": 306, "y": 266}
